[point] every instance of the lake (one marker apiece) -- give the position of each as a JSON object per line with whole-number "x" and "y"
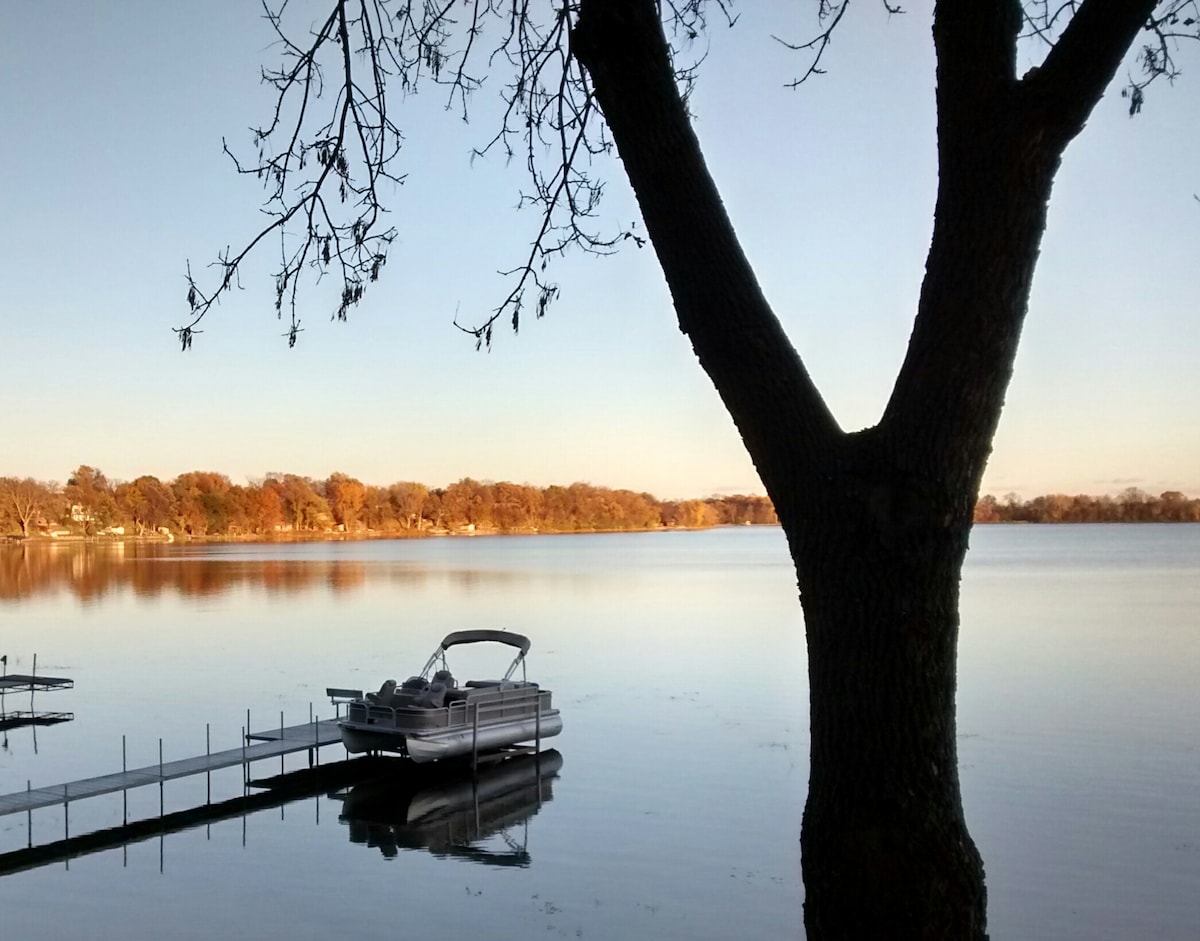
{"x": 678, "y": 662}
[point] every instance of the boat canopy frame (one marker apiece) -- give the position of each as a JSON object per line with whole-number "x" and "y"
{"x": 509, "y": 638}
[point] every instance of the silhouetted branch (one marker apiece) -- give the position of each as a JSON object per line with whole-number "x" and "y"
{"x": 328, "y": 216}
{"x": 1166, "y": 23}
{"x": 329, "y": 219}
{"x": 829, "y": 16}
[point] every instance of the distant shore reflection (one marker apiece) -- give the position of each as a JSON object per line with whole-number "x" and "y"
{"x": 90, "y": 571}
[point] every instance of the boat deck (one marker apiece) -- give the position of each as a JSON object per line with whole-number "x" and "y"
{"x": 269, "y": 744}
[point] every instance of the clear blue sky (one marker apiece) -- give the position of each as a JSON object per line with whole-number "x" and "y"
{"x": 113, "y": 178}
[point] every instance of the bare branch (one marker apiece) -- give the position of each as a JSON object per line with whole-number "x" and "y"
{"x": 331, "y": 146}
{"x": 829, "y": 16}
{"x": 328, "y": 219}
{"x": 1165, "y": 23}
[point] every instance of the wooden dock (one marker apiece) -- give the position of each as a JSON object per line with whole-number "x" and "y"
{"x": 272, "y": 743}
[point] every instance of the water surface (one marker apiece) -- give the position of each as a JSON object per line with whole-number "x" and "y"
{"x": 678, "y": 662}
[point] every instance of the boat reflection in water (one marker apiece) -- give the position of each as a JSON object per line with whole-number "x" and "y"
{"x": 449, "y": 811}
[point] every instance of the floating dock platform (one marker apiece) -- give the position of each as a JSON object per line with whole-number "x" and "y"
{"x": 28, "y": 683}
{"x": 31, "y": 683}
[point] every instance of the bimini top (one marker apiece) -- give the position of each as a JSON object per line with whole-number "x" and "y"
{"x": 520, "y": 641}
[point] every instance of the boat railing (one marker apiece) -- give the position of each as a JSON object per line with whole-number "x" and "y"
{"x": 482, "y": 707}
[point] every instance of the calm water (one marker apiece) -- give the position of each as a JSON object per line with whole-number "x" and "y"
{"x": 678, "y": 662}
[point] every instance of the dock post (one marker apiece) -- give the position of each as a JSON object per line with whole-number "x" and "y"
{"x": 281, "y": 740}
{"x": 208, "y": 756}
{"x": 124, "y": 786}
{"x": 245, "y": 769}
{"x": 313, "y": 722}
{"x": 475, "y": 741}
{"x": 160, "y": 779}
{"x": 28, "y": 816}
{"x": 66, "y": 815}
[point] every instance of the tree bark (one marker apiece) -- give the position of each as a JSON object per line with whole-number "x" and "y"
{"x": 877, "y": 521}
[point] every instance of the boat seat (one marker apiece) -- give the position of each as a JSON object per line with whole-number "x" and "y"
{"x": 435, "y": 696}
{"x": 482, "y": 684}
{"x": 411, "y": 691}
{"x": 387, "y": 692}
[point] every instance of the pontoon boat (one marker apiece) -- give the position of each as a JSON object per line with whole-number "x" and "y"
{"x": 430, "y": 716}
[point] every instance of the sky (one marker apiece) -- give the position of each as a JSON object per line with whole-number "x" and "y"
{"x": 113, "y": 179}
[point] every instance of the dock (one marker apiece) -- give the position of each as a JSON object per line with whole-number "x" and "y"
{"x": 30, "y": 683}
{"x": 271, "y": 743}
{"x": 278, "y": 791}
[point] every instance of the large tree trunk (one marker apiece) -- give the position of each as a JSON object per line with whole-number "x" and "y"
{"x": 885, "y": 847}
{"x": 877, "y": 521}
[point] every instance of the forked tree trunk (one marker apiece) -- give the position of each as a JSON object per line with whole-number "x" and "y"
{"x": 877, "y": 521}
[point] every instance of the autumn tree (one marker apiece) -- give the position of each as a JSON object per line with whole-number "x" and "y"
{"x": 89, "y": 500}
{"x": 202, "y": 502}
{"x": 433, "y": 508}
{"x": 558, "y": 509}
{"x": 467, "y": 502}
{"x": 345, "y": 496}
{"x": 375, "y": 510}
{"x": 302, "y": 506}
{"x": 264, "y": 509}
{"x": 146, "y": 502}
{"x": 23, "y": 500}
{"x": 877, "y": 520}
{"x": 407, "y": 502}
{"x": 515, "y": 507}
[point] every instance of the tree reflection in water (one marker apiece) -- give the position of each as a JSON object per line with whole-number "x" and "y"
{"x": 91, "y": 570}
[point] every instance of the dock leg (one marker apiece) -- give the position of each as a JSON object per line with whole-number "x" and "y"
{"x": 475, "y": 741}
{"x": 28, "y": 817}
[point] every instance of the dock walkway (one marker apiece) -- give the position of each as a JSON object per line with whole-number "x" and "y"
{"x": 268, "y": 744}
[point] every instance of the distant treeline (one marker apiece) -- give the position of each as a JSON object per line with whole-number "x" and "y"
{"x": 1130, "y": 506}
{"x": 206, "y": 504}
{"x": 202, "y": 503}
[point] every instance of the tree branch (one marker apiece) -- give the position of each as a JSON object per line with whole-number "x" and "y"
{"x": 1000, "y": 143}
{"x": 1083, "y": 61}
{"x": 719, "y": 304}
